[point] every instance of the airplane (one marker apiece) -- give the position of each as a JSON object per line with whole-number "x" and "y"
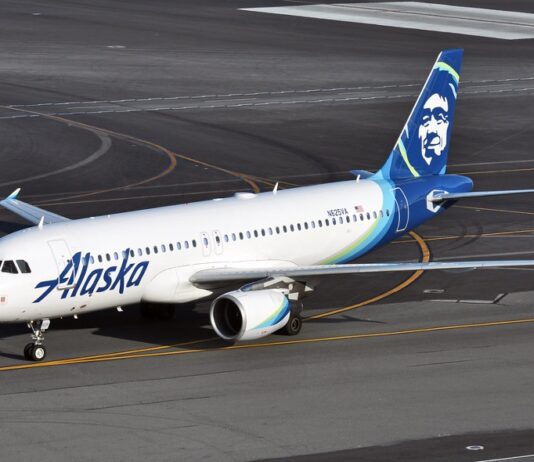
{"x": 257, "y": 255}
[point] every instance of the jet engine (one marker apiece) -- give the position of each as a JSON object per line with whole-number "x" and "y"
{"x": 249, "y": 315}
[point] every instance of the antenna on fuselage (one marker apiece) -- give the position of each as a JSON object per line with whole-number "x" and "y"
{"x": 275, "y": 189}
{"x": 41, "y": 222}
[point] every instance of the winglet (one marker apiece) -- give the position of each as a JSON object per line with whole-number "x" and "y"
{"x": 14, "y": 194}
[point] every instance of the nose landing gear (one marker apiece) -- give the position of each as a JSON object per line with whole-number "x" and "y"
{"x": 36, "y": 351}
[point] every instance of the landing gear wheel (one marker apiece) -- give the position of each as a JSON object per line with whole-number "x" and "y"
{"x": 157, "y": 312}
{"x": 27, "y": 351}
{"x": 165, "y": 313}
{"x": 146, "y": 312}
{"x": 33, "y": 352}
{"x": 38, "y": 353}
{"x": 293, "y": 326}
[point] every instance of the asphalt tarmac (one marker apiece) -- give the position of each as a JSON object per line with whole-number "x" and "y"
{"x": 109, "y": 106}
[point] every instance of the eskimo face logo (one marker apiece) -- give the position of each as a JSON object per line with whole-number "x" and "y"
{"x": 434, "y": 126}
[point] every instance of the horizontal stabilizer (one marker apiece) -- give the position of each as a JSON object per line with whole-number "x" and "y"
{"x": 30, "y": 213}
{"x": 439, "y": 197}
{"x": 243, "y": 274}
{"x": 362, "y": 174}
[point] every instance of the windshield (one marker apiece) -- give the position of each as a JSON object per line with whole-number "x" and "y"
{"x": 9, "y": 266}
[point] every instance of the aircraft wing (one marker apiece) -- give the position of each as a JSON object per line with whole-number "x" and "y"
{"x": 30, "y": 212}
{"x": 295, "y": 272}
{"x": 439, "y": 197}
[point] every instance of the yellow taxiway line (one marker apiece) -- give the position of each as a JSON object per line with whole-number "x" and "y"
{"x": 302, "y": 341}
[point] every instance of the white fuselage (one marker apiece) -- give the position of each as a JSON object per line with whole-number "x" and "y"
{"x": 149, "y": 255}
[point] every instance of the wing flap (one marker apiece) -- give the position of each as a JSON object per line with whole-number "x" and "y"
{"x": 30, "y": 212}
{"x": 241, "y": 274}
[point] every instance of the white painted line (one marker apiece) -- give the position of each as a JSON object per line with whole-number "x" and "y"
{"x": 275, "y": 92}
{"x": 223, "y": 105}
{"x": 481, "y": 22}
{"x": 509, "y": 458}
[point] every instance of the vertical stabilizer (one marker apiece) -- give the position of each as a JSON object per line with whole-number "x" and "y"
{"x": 423, "y": 144}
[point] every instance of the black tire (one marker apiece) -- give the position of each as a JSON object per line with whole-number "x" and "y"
{"x": 157, "y": 312}
{"x": 38, "y": 353}
{"x": 27, "y": 351}
{"x": 165, "y": 312}
{"x": 293, "y": 326}
{"x": 147, "y": 312}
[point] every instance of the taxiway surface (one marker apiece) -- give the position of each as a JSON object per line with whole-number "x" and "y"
{"x": 109, "y": 106}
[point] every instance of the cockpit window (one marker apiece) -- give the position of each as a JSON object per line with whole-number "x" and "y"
{"x": 9, "y": 267}
{"x": 25, "y": 268}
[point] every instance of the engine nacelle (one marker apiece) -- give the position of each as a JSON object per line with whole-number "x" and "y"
{"x": 241, "y": 315}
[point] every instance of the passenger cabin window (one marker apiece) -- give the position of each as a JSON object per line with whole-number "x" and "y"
{"x": 9, "y": 267}
{"x": 23, "y": 266}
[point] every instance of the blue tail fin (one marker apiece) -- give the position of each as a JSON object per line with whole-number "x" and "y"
{"x": 423, "y": 144}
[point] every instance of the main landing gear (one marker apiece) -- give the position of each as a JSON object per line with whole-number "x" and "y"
{"x": 157, "y": 311}
{"x": 36, "y": 351}
{"x": 294, "y": 324}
